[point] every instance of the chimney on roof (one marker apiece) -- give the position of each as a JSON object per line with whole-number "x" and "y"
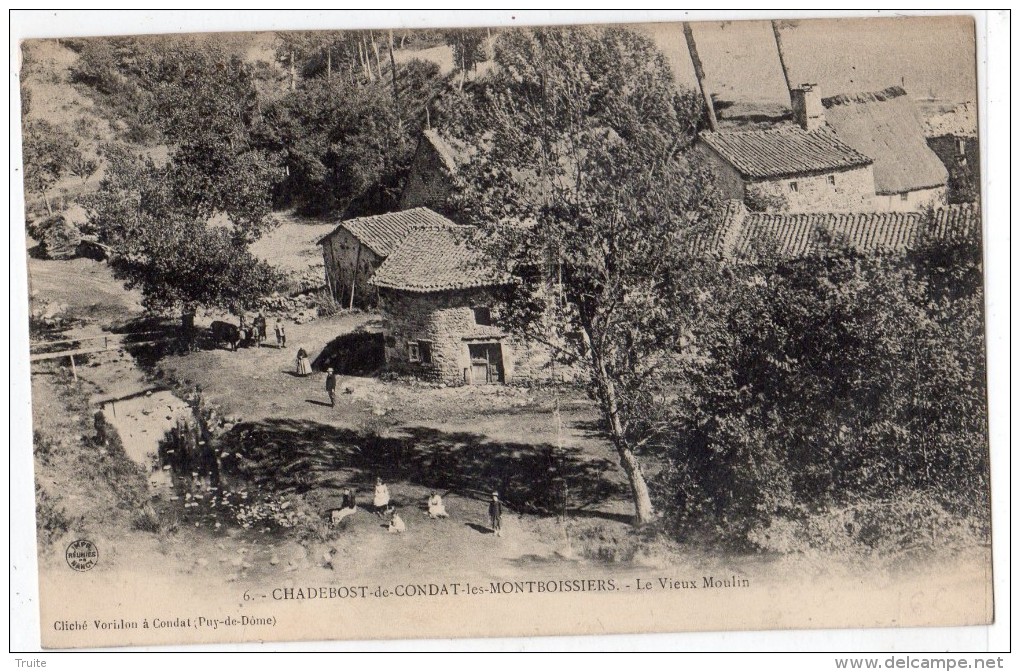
{"x": 807, "y": 107}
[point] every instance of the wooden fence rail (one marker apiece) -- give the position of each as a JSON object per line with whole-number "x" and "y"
{"x": 111, "y": 343}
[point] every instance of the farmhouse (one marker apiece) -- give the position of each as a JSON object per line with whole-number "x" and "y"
{"x": 356, "y": 247}
{"x": 851, "y": 152}
{"x": 439, "y": 302}
{"x": 886, "y": 126}
{"x": 791, "y": 169}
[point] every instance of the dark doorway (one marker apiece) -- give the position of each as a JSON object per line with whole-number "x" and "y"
{"x": 486, "y": 363}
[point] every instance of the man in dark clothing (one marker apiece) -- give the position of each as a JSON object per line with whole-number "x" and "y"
{"x": 260, "y": 328}
{"x": 331, "y": 386}
{"x": 496, "y": 514}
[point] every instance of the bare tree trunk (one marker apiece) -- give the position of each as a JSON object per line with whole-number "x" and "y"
{"x": 293, "y": 71}
{"x": 375, "y": 48}
{"x": 393, "y": 77}
{"x": 363, "y": 57}
{"x": 699, "y": 72}
{"x": 46, "y": 200}
{"x": 782, "y": 60}
{"x": 644, "y": 513}
{"x": 329, "y": 63}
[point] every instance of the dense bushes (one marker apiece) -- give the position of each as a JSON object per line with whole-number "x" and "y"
{"x": 823, "y": 386}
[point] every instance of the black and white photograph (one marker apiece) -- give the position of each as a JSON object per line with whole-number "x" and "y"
{"x": 358, "y": 333}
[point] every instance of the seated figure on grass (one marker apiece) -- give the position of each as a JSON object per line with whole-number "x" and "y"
{"x": 436, "y": 507}
{"x": 396, "y": 525}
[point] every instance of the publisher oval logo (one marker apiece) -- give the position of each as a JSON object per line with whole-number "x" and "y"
{"x": 81, "y": 555}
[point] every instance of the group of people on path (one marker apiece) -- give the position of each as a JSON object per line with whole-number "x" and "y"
{"x": 260, "y": 327}
{"x": 436, "y": 509}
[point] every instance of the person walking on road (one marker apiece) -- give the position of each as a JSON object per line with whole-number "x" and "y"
{"x": 331, "y": 386}
{"x": 496, "y": 515}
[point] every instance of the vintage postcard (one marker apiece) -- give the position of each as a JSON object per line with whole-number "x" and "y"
{"x": 389, "y": 333}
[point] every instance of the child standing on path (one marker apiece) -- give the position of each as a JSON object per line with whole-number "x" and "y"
{"x": 381, "y": 499}
{"x": 331, "y": 387}
{"x": 496, "y": 514}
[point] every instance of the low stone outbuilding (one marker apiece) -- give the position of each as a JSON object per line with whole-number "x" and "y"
{"x": 790, "y": 169}
{"x": 439, "y": 301}
{"x": 354, "y": 250}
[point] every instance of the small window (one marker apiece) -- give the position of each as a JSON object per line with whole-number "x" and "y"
{"x": 904, "y": 196}
{"x": 425, "y": 352}
{"x": 413, "y": 353}
{"x": 793, "y": 187}
{"x": 483, "y": 315}
{"x": 831, "y": 179}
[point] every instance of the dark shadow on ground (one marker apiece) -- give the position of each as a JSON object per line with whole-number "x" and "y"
{"x": 359, "y": 353}
{"x": 301, "y": 455}
{"x": 318, "y": 403}
{"x": 481, "y": 529}
{"x": 604, "y": 515}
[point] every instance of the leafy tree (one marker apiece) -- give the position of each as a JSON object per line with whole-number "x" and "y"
{"x": 179, "y": 261}
{"x": 165, "y": 246}
{"x": 821, "y": 383}
{"x": 47, "y": 152}
{"x": 207, "y": 104}
{"x": 468, "y": 49}
{"x": 347, "y": 146}
{"x": 586, "y": 193}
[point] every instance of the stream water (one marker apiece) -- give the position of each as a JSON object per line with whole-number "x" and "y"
{"x": 143, "y": 422}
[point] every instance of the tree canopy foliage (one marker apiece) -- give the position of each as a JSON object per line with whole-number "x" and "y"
{"x": 844, "y": 382}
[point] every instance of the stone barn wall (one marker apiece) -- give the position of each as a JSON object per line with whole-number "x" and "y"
{"x": 446, "y": 322}
{"x": 845, "y": 190}
{"x": 339, "y": 255}
{"x": 728, "y": 180}
{"x": 910, "y": 201}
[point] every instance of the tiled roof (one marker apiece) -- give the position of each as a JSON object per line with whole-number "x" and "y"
{"x": 886, "y": 126}
{"x": 383, "y": 233}
{"x": 436, "y": 259}
{"x": 742, "y": 233}
{"x": 784, "y": 152}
